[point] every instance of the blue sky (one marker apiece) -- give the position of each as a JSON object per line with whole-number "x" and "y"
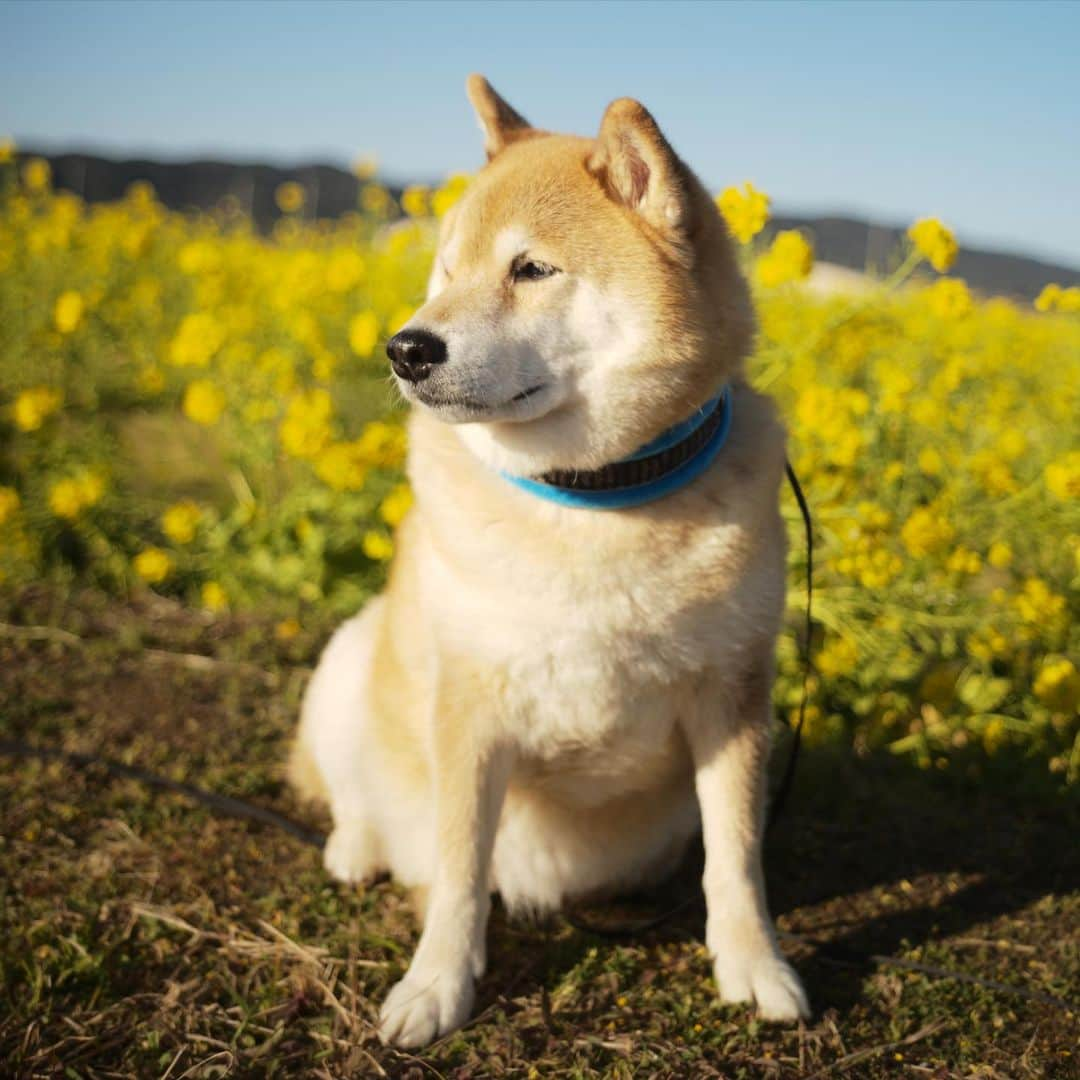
{"x": 969, "y": 111}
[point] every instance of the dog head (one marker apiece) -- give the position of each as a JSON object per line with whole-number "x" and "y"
{"x": 584, "y": 297}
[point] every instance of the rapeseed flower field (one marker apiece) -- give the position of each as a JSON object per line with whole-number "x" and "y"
{"x": 190, "y": 407}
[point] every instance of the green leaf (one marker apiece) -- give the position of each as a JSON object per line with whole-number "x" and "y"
{"x": 982, "y": 693}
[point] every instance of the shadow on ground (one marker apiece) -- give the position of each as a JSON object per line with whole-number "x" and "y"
{"x": 873, "y": 857}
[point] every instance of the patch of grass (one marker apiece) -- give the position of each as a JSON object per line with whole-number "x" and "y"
{"x": 140, "y": 935}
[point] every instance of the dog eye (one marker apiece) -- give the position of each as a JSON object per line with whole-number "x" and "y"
{"x": 529, "y": 270}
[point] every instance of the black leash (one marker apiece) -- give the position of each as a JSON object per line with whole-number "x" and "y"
{"x": 783, "y": 790}
{"x": 223, "y": 804}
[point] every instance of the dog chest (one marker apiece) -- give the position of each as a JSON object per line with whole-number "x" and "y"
{"x": 602, "y": 669}
{"x": 593, "y": 625}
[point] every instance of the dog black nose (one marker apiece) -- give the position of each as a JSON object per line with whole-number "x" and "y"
{"x": 413, "y": 353}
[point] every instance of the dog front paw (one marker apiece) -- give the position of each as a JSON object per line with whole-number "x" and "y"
{"x": 424, "y": 1006}
{"x": 764, "y": 978}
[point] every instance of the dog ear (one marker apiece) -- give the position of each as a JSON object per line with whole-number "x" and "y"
{"x": 500, "y": 122}
{"x": 639, "y": 169}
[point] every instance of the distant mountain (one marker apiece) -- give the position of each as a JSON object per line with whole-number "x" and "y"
{"x": 861, "y": 245}
{"x": 201, "y": 185}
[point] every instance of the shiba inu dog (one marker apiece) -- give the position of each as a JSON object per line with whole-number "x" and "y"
{"x": 569, "y": 671}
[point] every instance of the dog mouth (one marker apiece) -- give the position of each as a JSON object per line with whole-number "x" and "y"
{"x": 460, "y": 406}
{"x": 528, "y": 393}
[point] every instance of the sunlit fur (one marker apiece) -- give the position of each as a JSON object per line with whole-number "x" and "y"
{"x": 550, "y": 702}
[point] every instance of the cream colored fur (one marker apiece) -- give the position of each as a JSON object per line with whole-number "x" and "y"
{"x": 550, "y": 702}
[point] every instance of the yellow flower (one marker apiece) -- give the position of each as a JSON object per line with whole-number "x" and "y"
{"x": 873, "y": 516}
{"x": 382, "y": 444}
{"x": 364, "y": 168}
{"x": 214, "y": 597}
{"x": 68, "y": 311}
{"x": 930, "y": 461}
{"x": 745, "y": 210}
{"x": 964, "y": 561}
{"x": 1037, "y": 604}
{"x": 64, "y": 499}
{"x": 790, "y": 258}
{"x": 415, "y": 200}
{"x": 180, "y": 521}
{"x": 324, "y": 363}
{"x": 1000, "y": 554}
{"x": 204, "y": 402}
{"x": 896, "y": 383}
{"x": 33, "y": 406}
{"x": 198, "y": 257}
{"x": 1048, "y": 298}
{"x": 1069, "y": 300}
{"x": 830, "y": 416}
{"x": 926, "y": 531}
{"x": 994, "y": 473}
{"x": 374, "y": 199}
{"x": 7, "y": 150}
{"x": 949, "y": 298}
{"x": 838, "y": 657}
{"x": 141, "y": 195}
{"x": 935, "y": 242}
{"x": 994, "y": 735}
{"x": 9, "y": 503}
{"x": 37, "y": 174}
{"x": 377, "y": 546}
{"x": 987, "y": 643}
{"x": 70, "y": 497}
{"x": 197, "y": 339}
{"x": 1012, "y": 444}
{"x": 344, "y": 270}
{"x": 277, "y": 368}
{"x": 1057, "y": 685}
{"x": 153, "y": 565}
{"x": 877, "y": 568}
{"x": 364, "y": 333}
{"x": 306, "y": 427}
{"x": 1062, "y": 476}
{"x": 290, "y": 197}
{"x": 287, "y": 629}
{"x": 1055, "y": 298}
{"x": 342, "y": 466}
{"x": 396, "y": 505}
{"x": 449, "y": 193}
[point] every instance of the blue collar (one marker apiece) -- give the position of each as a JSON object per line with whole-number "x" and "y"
{"x": 670, "y": 462}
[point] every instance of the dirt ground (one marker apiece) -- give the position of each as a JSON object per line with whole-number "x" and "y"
{"x": 142, "y": 935}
